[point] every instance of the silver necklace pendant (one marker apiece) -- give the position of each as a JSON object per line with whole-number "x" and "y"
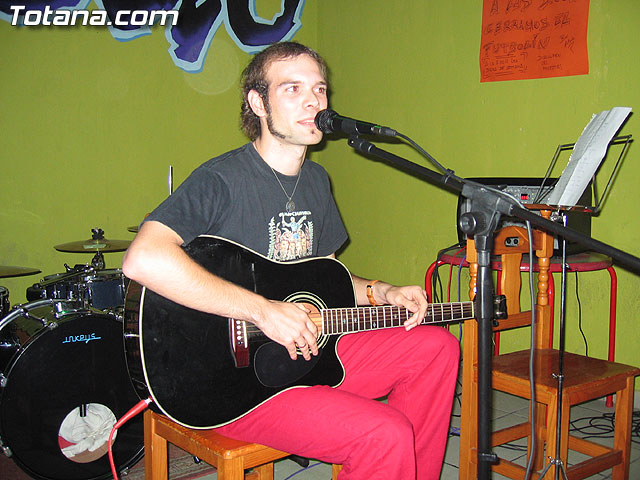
{"x": 290, "y": 206}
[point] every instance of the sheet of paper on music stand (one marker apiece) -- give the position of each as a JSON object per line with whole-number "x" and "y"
{"x": 587, "y": 155}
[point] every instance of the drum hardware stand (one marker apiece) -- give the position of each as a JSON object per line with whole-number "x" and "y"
{"x": 98, "y": 259}
{"x": 71, "y": 273}
{"x": 78, "y": 269}
{"x": 487, "y": 204}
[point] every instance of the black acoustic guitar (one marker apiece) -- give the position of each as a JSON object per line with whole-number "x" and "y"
{"x": 204, "y": 371}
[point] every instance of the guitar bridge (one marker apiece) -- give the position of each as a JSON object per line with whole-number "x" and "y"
{"x": 239, "y": 342}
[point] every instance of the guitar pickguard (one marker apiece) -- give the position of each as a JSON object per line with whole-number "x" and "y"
{"x": 275, "y": 369}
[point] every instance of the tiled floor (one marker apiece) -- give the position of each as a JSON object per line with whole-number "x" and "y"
{"x": 507, "y": 410}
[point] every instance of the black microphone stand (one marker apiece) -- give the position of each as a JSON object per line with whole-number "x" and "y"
{"x": 487, "y": 205}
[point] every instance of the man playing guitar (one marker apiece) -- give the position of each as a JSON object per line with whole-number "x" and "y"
{"x": 269, "y": 197}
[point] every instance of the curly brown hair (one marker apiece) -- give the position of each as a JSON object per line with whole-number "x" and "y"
{"x": 254, "y": 78}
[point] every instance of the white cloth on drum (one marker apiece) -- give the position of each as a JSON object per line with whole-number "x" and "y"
{"x": 89, "y": 432}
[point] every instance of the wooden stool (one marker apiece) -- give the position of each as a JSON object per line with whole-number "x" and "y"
{"x": 585, "y": 379}
{"x": 230, "y": 457}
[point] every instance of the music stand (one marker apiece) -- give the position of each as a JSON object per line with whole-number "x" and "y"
{"x": 624, "y": 140}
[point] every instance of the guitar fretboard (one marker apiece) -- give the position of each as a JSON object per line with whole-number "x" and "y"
{"x": 358, "y": 319}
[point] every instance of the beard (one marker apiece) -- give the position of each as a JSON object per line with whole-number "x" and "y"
{"x": 270, "y": 125}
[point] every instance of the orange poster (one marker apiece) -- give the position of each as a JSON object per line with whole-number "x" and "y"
{"x": 533, "y": 39}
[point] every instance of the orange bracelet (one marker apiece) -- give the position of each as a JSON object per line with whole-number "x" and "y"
{"x": 372, "y": 300}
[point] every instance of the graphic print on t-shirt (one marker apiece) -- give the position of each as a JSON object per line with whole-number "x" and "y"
{"x": 290, "y": 236}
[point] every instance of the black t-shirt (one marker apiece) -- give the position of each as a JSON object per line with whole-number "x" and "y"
{"x": 237, "y": 196}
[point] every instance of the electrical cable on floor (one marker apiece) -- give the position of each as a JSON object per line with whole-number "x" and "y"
{"x": 135, "y": 410}
{"x": 313, "y": 465}
{"x": 603, "y": 426}
{"x": 597, "y": 427}
{"x": 514, "y": 447}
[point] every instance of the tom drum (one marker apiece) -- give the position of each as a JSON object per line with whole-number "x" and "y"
{"x": 101, "y": 289}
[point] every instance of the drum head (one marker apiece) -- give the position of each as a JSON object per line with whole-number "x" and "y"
{"x": 65, "y": 388}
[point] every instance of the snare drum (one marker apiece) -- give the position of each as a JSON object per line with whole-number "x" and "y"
{"x": 101, "y": 289}
{"x": 65, "y": 382}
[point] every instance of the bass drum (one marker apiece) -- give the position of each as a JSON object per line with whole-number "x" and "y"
{"x": 64, "y": 384}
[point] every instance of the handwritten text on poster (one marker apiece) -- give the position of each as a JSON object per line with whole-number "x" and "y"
{"x": 523, "y": 39}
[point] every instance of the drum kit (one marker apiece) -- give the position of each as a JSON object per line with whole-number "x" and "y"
{"x": 63, "y": 375}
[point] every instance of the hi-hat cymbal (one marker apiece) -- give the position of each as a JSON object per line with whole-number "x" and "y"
{"x": 94, "y": 245}
{"x": 9, "y": 271}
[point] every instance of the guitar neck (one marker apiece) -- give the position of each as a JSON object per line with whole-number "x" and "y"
{"x": 359, "y": 319}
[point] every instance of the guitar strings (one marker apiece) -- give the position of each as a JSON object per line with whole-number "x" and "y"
{"x": 392, "y": 315}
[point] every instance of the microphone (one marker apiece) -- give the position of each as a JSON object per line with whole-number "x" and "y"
{"x": 329, "y": 121}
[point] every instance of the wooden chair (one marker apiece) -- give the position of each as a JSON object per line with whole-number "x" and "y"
{"x": 230, "y": 457}
{"x": 585, "y": 378}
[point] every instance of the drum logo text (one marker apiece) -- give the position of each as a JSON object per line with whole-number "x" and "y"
{"x": 81, "y": 338}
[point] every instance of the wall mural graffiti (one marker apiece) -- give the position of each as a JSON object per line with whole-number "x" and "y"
{"x": 191, "y": 36}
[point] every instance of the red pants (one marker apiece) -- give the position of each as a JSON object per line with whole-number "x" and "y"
{"x": 400, "y": 440}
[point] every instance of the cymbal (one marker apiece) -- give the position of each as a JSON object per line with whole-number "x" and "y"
{"x": 134, "y": 229}
{"x": 94, "y": 245}
{"x": 9, "y": 271}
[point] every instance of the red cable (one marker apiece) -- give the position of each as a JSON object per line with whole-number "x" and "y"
{"x": 135, "y": 410}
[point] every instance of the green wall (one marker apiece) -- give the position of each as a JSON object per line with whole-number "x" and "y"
{"x": 416, "y": 68}
{"x": 90, "y": 126}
